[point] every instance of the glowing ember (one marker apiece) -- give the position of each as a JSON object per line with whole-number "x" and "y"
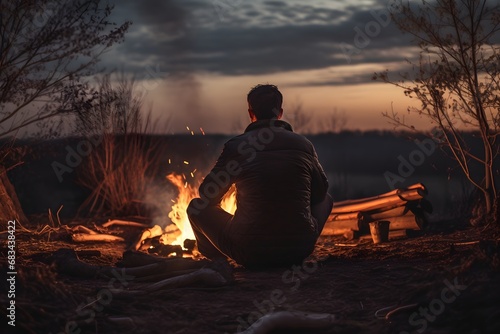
{"x": 187, "y": 192}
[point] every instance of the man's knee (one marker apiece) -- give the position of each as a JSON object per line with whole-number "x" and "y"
{"x": 196, "y": 206}
{"x": 322, "y": 210}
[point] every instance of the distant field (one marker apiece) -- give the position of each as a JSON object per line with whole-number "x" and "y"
{"x": 356, "y": 164}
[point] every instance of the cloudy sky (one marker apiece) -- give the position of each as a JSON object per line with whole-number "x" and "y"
{"x": 197, "y": 59}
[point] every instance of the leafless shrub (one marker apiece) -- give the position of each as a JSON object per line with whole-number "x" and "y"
{"x": 119, "y": 169}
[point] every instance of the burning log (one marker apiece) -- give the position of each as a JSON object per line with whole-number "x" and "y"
{"x": 152, "y": 232}
{"x": 167, "y": 235}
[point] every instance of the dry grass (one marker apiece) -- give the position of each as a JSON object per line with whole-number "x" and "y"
{"x": 118, "y": 168}
{"x": 118, "y": 173}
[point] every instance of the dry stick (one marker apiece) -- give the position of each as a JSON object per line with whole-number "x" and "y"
{"x": 291, "y": 319}
{"x": 83, "y": 229}
{"x": 122, "y": 223}
{"x": 399, "y": 309}
{"x": 57, "y": 215}
{"x": 466, "y": 243}
{"x": 81, "y": 237}
{"x": 23, "y": 229}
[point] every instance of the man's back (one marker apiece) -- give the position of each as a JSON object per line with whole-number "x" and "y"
{"x": 274, "y": 185}
{"x": 278, "y": 179}
{"x": 281, "y": 192}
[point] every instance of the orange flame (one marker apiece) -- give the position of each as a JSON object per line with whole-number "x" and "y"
{"x": 187, "y": 192}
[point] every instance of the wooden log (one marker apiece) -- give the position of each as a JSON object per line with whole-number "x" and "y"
{"x": 345, "y": 216}
{"x": 393, "y": 200}
{"x": 340, "y": 227}
{"x": 331, "y": 230}
{"x": 407, "y": 222}
{"x": 419, "y": 186}
{"x": 382, "y": 215}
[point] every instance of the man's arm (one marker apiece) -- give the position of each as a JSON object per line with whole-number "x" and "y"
{"x": 219, "y": 180}
{"x": 319, "y": 182}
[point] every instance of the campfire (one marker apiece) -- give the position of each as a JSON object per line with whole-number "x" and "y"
{"x": 179, "y": 229}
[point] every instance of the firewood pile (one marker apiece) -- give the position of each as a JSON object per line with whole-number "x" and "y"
{"x": 404, "y": 208}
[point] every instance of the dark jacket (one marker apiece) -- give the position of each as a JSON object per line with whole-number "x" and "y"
{"x": 278, "y": 177}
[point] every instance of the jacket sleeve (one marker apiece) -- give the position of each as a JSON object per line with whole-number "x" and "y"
{"x": 319, "y": 181}
{"x": 219, "y": 180}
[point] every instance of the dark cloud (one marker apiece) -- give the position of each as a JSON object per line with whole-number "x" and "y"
{"x": 274, "y": 36}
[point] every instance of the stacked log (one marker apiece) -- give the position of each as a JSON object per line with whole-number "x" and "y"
{"x": 404, "y": 208}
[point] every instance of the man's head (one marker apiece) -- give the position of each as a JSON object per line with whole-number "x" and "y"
{"x": 264, "y": 102}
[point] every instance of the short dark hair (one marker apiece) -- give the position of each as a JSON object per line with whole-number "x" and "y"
{"x": 265, "y": 101}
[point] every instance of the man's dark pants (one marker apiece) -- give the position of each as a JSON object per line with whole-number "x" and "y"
{"x": 210, "y": 225}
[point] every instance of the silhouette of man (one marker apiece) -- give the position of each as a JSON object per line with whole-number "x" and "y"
{"x": 281, "y": 192}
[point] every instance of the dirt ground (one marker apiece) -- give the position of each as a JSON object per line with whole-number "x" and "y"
{"x": 449, "y": 281}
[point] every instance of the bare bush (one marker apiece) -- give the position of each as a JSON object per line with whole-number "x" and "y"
{"x": 44, "y": 46}
{"x": 119, "y": 169}
{"x": 456, "y": 79}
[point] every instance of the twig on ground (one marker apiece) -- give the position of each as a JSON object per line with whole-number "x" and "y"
{"x": 82, "y": 229}
{"x": 123, "y": 223}
{"x": 466, "y": 243}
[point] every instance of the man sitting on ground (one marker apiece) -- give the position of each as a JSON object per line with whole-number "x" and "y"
{"x": 281, "y": 192}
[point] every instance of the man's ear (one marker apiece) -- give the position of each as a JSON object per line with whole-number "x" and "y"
{"x": 253, "y": 118}
{"x": 280, "y": 113}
